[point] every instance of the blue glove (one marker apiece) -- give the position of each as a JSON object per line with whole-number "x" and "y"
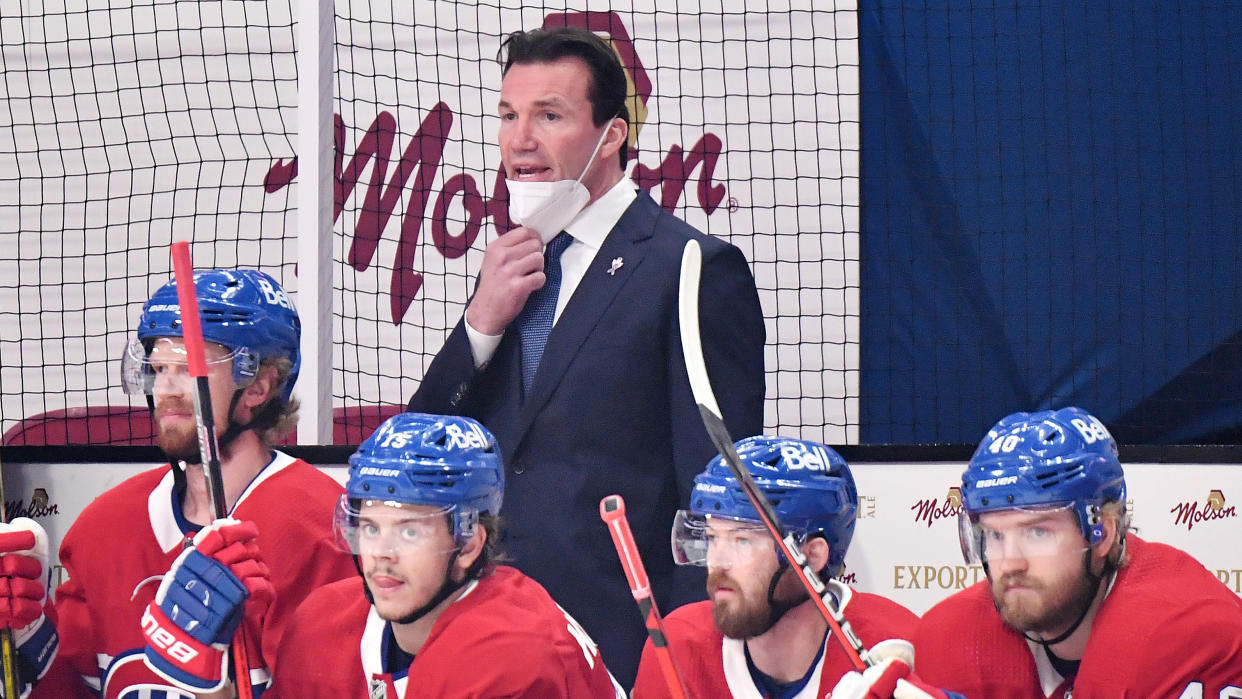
{"x": 198, "y": 606}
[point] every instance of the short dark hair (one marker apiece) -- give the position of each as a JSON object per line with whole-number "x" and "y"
{"x": 608, "y": 88}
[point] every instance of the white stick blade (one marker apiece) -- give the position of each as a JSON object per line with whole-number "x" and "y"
{"x": 688, "y": 318}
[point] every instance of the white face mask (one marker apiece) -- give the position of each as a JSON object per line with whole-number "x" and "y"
{"x": 548, "y": 207}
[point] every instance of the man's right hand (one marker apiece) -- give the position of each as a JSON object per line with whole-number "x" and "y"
{"x": 512, "y": 270}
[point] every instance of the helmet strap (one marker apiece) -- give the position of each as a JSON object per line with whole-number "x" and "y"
{"x": 235, "y": 429}
{"x": 1095, "y": 581}
{"x": 447, "y": 588}
{"x": 777, "y": 609}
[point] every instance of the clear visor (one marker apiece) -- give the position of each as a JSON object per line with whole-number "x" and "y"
{"x": 165, "y": 368}
{"x": 383, "y": 527}
{"x": 1020, "y": 533}
{"x": 717, "y": 542}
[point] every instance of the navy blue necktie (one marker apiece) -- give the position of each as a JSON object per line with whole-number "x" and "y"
{"x": 535, "y": 320}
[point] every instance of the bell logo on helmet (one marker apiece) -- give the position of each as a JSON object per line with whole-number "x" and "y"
{"x": 473, "y": 439}
{"x": 796, "y": 456}
{"x": 274, "y": 296}
{"x": 1092, "y": 430}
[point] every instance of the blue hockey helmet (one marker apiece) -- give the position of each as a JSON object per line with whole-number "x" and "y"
{"x": 438, "y": 460}
{"x": 244, "y": 310}
{"x": 808, "y": 484}
{"x": 1049, "y": 458}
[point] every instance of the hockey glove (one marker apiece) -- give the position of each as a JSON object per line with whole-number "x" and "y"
{"x": 891, "y": 677}
{"x": 23, "y": 593}
{"x": 200, "y": 602}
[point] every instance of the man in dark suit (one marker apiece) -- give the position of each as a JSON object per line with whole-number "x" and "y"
{"x": 571, "y": 354}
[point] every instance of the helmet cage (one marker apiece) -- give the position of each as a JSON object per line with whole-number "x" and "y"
{"x": 138, "y": 373}
{"x": 1033, "y": 540}
{"x": 692, "y": 542}
{"x": 395, "y": 530}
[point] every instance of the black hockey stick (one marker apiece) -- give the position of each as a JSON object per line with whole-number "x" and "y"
{"x": 196, "y": 360}
{"x": 701, "y": 387}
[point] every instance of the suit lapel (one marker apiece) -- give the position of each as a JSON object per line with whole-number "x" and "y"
{"x": 591, "y": 298}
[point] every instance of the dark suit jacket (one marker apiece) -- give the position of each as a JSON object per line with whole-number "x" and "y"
{"x": 610, "y": 411}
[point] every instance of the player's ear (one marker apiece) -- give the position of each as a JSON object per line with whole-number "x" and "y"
{"x": 258, "y": 391}
{"x": 471, "y": 549}
{"x": 816, "y": 550}
{"x": 1106, "y": 543}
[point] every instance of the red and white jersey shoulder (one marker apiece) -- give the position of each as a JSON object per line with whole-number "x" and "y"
{"x": 715, "y": 666}
{"x": 503, "y": 636}
{"x": 1168, "y": 628}
{"x": 116, "y": 551}
{"x": 507, "y": 637}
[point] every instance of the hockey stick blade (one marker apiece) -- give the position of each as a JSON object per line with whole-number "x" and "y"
{"x": 612, "y": 511}
{"x": 196, "y": 359}
{"x": 713, "y": 422}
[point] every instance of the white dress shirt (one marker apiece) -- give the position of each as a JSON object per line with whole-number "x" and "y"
{"x": 588, "y": 229}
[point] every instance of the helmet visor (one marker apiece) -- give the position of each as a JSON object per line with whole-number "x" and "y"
{"x": 389, "y": 528}
{"x": 165, "y": 367}
{"x": 717, "y": 542}
{"x": 1020, "y": 533}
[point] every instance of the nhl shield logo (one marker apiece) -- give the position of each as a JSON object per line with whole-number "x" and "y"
{"x": 378, "y": 688}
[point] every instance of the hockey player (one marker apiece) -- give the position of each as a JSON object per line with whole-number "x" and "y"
{"x": 760, "y": 634}
{"x": 1073, "y": 604}
{"x": 140, "y": 555}
{"x": 432, "y": 615}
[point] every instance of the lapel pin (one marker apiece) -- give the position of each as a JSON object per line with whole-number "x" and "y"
{"x": 616, "y": 265}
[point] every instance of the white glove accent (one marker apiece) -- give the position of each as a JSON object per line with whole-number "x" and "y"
{"x": 855, "y": 685}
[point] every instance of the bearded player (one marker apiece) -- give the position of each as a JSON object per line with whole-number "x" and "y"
{"x": 760, "y": 634}
{"x": 156, "y": 588}
{"x": 1073, "y": 604}
{"x": 432, "y": 615}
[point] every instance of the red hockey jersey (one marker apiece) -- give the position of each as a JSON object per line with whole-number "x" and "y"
{"x": 502, "y": 637}
{"x": 1168, "y": 628}
{"x": 715, "y": 666}
{"x": 130, "y": 535}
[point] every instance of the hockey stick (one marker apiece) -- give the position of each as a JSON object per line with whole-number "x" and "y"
{"x": 701, "y": 387}
{"x": 7, "y": 650}
{"x": 612, "y": 511}
{"x": 196, "y": 360}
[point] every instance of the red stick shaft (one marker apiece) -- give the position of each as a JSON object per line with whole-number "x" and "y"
{"x": 612, "y": 511}
{"x": 196, "y": 360}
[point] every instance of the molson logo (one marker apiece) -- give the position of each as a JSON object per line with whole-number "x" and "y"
{"x": 931, "y": 510}
{"x": 39, "y": 506}
{"x": 1192, "y": 513}
{"x": 421, "y": 160}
